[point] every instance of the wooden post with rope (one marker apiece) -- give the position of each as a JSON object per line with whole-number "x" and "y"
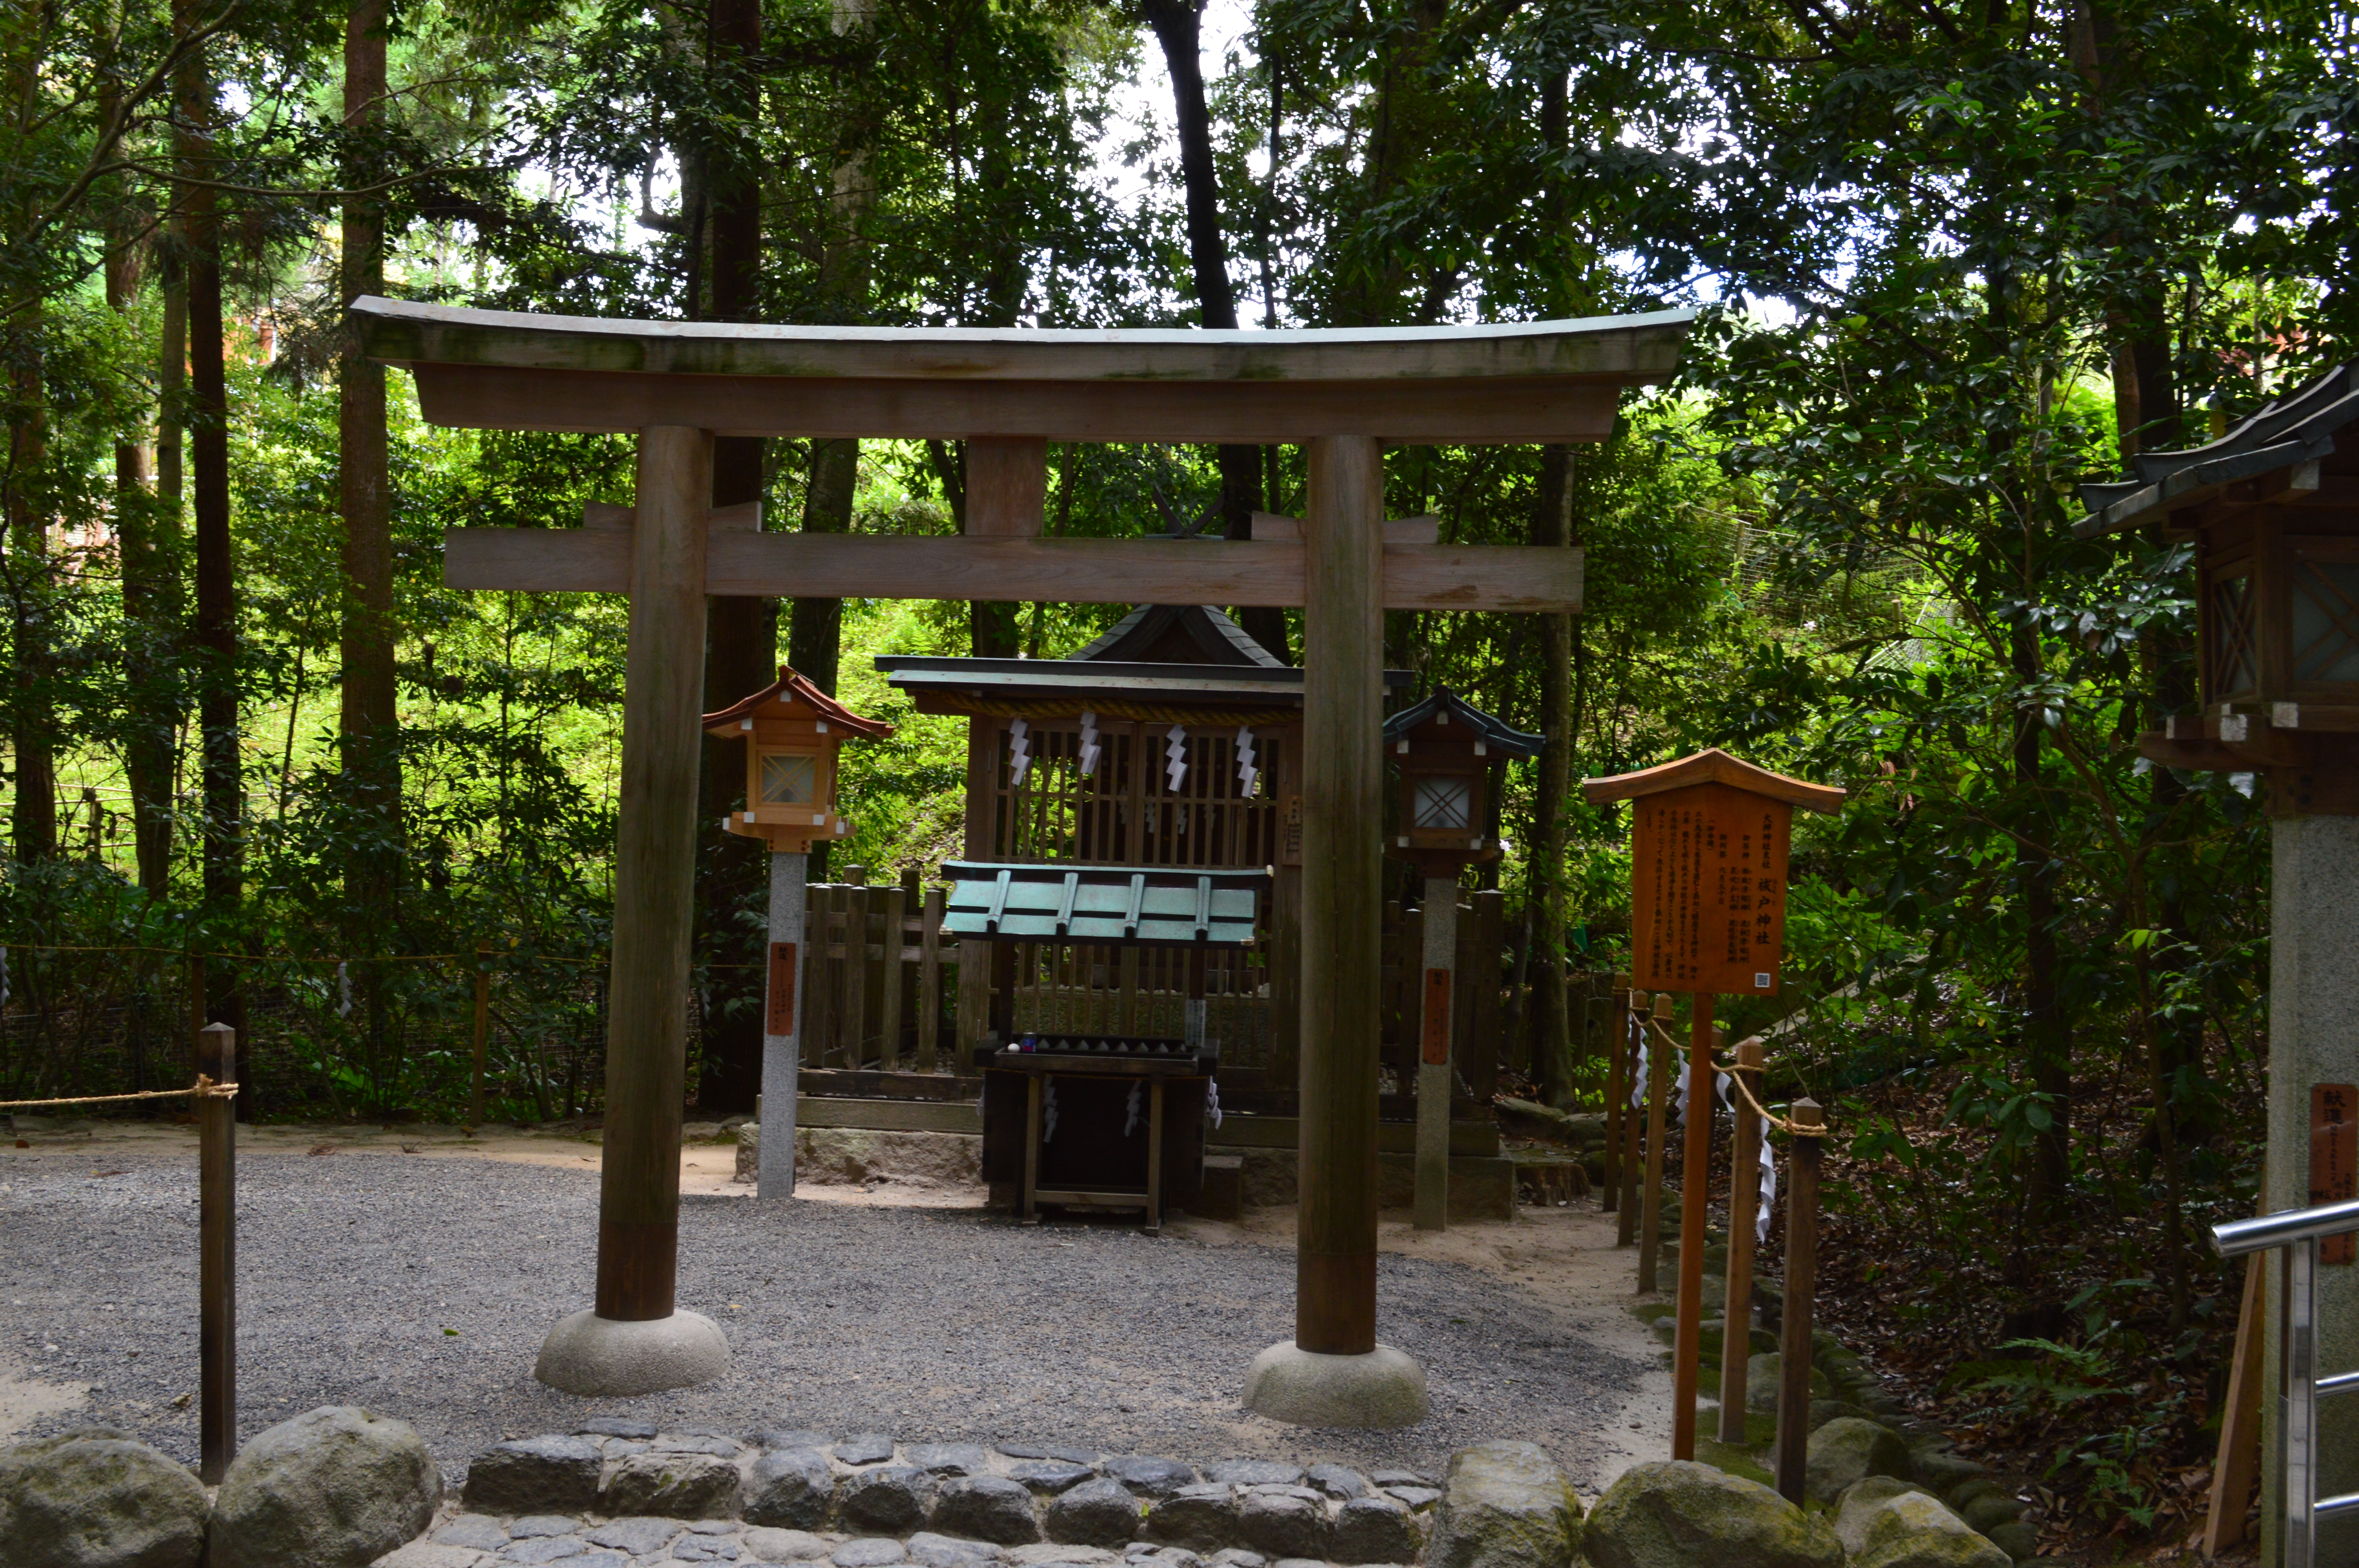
{"x": 1634, "y": 1028}
{"x": 1802, "y": 1285}
{"x": 216, "y": 1256}
{"x": 1743, "y": 1206}
{"x": 1658, "y": 1094}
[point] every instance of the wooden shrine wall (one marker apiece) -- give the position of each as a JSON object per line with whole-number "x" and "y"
{"x": 1124, "y": 812}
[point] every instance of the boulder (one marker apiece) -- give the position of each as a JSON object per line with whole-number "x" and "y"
{"x": 97, "y": 1499}
{"x": 1825, "y": 1410}
{"x": 1373, "y": 1530}
{"x": 1504, "y": 1505}
{"x": 1253, "y": 1473}
{"x": 1095, "y": 1513}
{"x": 1201, "y": 1518}
{"x": 2018, "y": 1541}
{"x": 947, "y": 1459}
{"x": 986, "y": 1507}
{"x": 535, "y": 1474}
{"x": 674, "y": 1485}
{"x": 1674, "y": 1514}
{"x": 769, "y": 1545}
{"x": 335, "y": 1487}
{"x": 1848, "y": 1450}
{"x": 1280, "y": 1524}
{"x": 1992, "y": 1509}
{"x": 865, "y": 1448}
{"x": 791, "y": 1488}
{"x": 891, "y": 1499}
{"x": 930, "y": 1550}
{"x": 1886, "y": 1523}
{"x": 1761, "y": 1373}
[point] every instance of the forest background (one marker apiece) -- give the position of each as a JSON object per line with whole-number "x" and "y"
{"x": 1955, "y": 258}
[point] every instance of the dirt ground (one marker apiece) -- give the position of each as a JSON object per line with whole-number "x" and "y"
{"x": 1545, "y": 1329}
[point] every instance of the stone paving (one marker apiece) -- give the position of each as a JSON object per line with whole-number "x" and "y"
{"x": 620, "y": 1492}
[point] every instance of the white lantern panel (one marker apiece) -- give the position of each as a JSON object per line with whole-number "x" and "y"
{"x": 1445, "y": 800}
{"x": 789, "y": 779}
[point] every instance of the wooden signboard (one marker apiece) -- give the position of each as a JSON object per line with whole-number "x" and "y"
{"x": 782, "y": 988}
{"x": 1708, "y": 891}
{"x": 2334, "y": 1158}
{"x": 1435, "y": 1035}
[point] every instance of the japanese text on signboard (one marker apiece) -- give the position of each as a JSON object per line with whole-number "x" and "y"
{"x": 1709, "y": 891}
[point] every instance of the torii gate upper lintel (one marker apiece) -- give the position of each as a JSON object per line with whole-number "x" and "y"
{"x": 1342, "y": 393}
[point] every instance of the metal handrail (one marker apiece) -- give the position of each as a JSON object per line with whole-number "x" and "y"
{"x": 2298, "y": 1231}
{"x": 2258, "y": 1234}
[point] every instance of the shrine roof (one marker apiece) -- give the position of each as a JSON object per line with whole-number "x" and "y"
{"x": 1493, "y": 731}
{"x": 793, "y": 687}
{"x": 2295, "y": 430}
{"x": 1221, "y": 640}
{"x": 953, "y": 685}
{"x": 1713, "y": 766}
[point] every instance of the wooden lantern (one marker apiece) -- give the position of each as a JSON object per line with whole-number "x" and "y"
{"x": 1445, "y": 748}
{"x": 1708, "y": 871}
{"x": 2280, "y": 610}
{"x": 792, "y": 731}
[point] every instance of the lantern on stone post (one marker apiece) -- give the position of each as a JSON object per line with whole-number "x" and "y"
{"x": 1445, "y": 750}
{"x": 2272, "y": 508}
{"x": 793, "y": 732}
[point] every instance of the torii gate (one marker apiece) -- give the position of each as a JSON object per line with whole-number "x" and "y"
{"x": 1342, "y": 394}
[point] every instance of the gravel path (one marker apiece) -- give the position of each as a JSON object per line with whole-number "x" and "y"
{"x": 422, "y": 1287}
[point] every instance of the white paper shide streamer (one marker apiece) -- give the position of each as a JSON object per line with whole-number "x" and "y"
{"x": 1019, "y": 753}
{"x": 1130, "y": 1111}
{"x": 1639, "y": 1080}
{"x": 1213, "y": 1102}
{"x": 1175, "y": 755}
{"x": 1768, "y": 1194}
{"x": 343, "y": 990}
{"x": 1090, "y": 749}
{"x": 1249, "y": 768}
{"x": 1049, "y": 1111}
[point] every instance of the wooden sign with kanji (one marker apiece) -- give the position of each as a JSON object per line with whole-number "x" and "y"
{"x": 1708, "y": 871}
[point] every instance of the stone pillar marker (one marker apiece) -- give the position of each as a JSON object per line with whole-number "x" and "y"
{"x": 782, "y": 1052}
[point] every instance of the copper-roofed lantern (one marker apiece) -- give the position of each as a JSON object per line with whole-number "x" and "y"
{"x": 1445, "y": 748}
{"x": 2272, "y": 507}
{"x": 793, "y": 732}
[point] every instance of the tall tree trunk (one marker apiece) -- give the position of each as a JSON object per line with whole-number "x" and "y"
{"x": 1177, "y": 30}
{"x": 32, "y": 733}
{"x": 1551, "y": 1025}
{"x": 741, "y": 632}
{"x": 369, "y": 724}
{"x": 161, "y": 706}
{"x": 2047, "y": 1033}
{"x": 207, "y": 416}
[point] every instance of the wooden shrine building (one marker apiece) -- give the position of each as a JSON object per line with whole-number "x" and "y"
{"x": 1174, "y": 740}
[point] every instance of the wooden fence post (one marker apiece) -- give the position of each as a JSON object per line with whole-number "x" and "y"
{"x": 1617, "y": 1090}
{"x": 1801, "y": 1284}
{"x": 1695, "y": 1182}
{"x": 929, "y": 983}
{"x": 888, "y": 1019}
{"x": 902, "y": 956}
{"x": 1626, "y": 1225}
{"x": 482, "y": 1032}
{"x": 1744, "y": 1208}
{"x": 216, "y": 1256}
{"x": 1659, "y": 1095}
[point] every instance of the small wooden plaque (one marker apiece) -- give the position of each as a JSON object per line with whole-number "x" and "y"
{"x": 782, "y": 988}
{"x": 1290, "y": 833}
{"x": 1436, "y": 1035}
{"x": 1708, "y": 891}
{"x": 2334, "y": 1159}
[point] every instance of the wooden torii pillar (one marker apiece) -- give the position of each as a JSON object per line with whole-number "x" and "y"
{"x": 1343, "y": 395}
